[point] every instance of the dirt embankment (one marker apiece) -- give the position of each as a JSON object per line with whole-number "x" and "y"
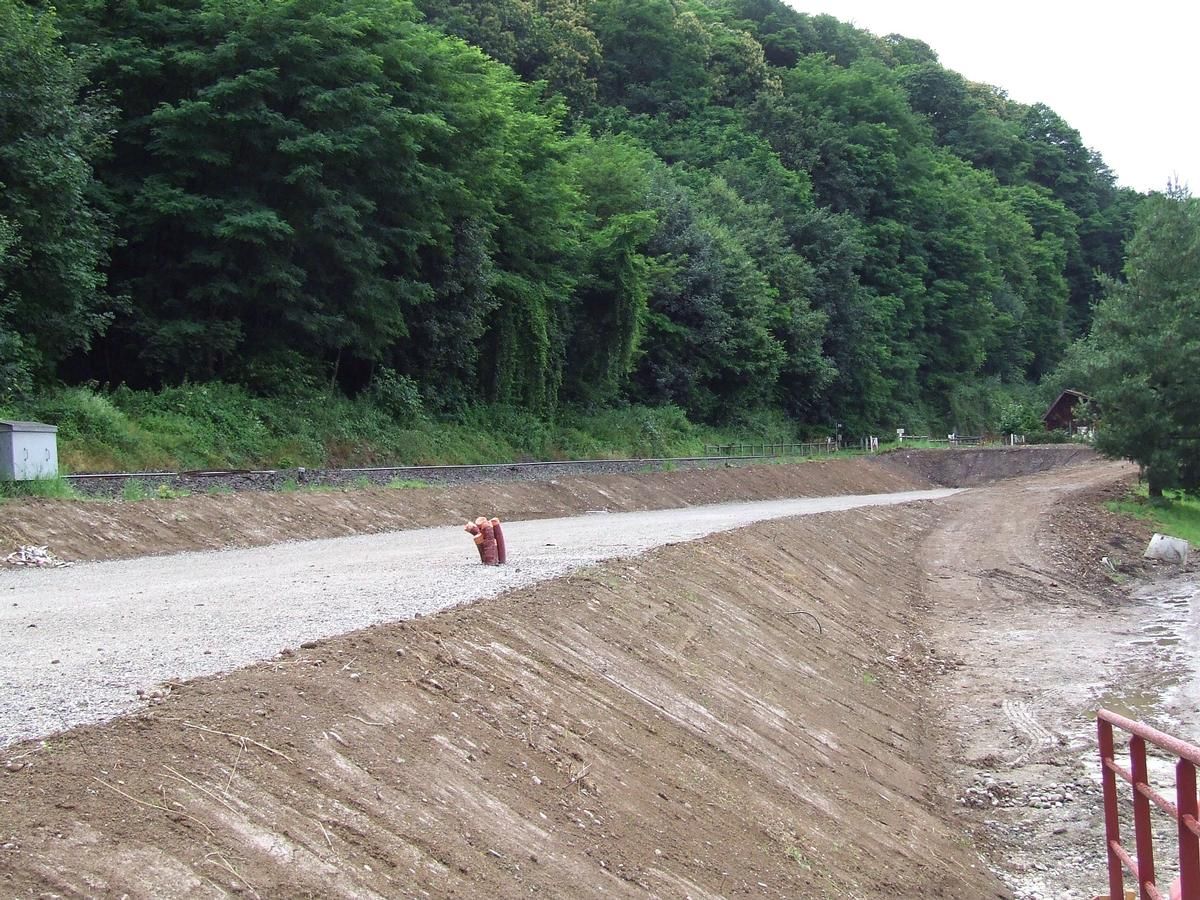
{"x": 94, "y": 530}
{"x": 970, "y": 467}
{"x": 673, "y": 725}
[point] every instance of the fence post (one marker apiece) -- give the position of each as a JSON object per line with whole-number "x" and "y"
{"x": 1189, "y": 846}
{"x": 1112, "y": 820}
{"x": 1143, "y": 835}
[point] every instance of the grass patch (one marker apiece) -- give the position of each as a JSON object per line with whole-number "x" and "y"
{"x": 1176, "y": 514}
{"x": 52, "y": 488}
{"x": 134, "y": 490}
{"x": 407, "y": 484}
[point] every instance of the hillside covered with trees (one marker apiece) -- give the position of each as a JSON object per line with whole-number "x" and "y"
{"x": 444, "y": 209}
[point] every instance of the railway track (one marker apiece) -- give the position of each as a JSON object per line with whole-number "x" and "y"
{"x": 456, "y": 467}
{"x": 113, "y": 483}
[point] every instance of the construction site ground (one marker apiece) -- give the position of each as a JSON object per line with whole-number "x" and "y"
{"x": 879, "y": 702}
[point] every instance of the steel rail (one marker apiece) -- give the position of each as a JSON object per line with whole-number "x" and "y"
{"x": 452, "y": 467}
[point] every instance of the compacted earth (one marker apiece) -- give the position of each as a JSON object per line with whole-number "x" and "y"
{"x": 893, "y": 701}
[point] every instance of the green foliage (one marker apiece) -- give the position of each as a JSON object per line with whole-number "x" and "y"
{"x": 550, "y": 40}
{"x": 387, "y": 202}
{"x": 223, "y": 426}
{"x": 135, "y": 490}
{"x": 360, "y": 228}
{"x": 53, "y": 241}
{"x": 1016, "y": 417}
{"x": 47, "y": 488}
{"x": 407, "y": 484}
{"x": 1140, "y": 357}
{"x": 610, "y": 303}
{"x": 398, "y": 395}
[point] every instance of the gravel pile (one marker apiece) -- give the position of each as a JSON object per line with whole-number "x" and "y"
{"x": 989, "y": 791}
{"x": 81, "y": 643}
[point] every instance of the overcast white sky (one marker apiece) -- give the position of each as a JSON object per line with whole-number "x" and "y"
{"x": 1125, "y": 75}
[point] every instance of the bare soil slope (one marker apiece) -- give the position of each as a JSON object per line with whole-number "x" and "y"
{"x": 100, "y": 529}
{"x": 972, "y": 466}
{"x": 673, "y": 725}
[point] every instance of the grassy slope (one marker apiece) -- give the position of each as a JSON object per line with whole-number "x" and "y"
{"x": 219, "y": 425}
{"x": 1177, "y": 515}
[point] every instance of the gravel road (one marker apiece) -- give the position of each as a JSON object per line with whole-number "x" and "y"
{"x": 80, "y": 642}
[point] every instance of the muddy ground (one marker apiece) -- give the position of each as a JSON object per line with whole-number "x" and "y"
{"x": 669, "y": 725}
{"x": 1043, "y": 633}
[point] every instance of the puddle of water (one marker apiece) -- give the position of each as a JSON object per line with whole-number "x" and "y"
{"x": 1135, "y": 704}
{"x": 1155, "y": 677}
{"x": 1166, "y": 690}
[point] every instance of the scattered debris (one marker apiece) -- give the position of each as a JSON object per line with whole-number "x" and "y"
{"x": 989, "y": 791}
{"x": 801, "y": 612}
{"x": 35, "y": 557}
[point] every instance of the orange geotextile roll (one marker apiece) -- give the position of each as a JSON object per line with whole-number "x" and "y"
{"x": 489, "y": 543}
{"x": 501, "y": 550}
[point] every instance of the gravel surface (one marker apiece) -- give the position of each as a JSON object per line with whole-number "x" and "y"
{"x": 80, "y": 643}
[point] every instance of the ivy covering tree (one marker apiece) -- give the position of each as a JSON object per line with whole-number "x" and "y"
{"x": 723, "y": 205}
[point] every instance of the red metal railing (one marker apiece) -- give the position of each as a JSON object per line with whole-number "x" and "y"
{"x": 1183, "y": 811}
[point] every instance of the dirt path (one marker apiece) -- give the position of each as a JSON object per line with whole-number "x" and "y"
{"x": 1040, "y": 641}
{"x": 669, "y": 725}
{"x": 80, "y": 643}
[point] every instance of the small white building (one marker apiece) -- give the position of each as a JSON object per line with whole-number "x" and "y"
{"x": 28, "y": 451}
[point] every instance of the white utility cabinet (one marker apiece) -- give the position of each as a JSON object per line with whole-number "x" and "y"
{"x": 28, "y": 451}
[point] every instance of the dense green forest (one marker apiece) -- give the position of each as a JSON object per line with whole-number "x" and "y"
{"x": 444, "y": 209}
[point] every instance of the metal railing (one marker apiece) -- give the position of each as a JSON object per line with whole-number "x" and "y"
{"x": 757, "y": 449}
{"x": 956, "y": 441}
{"x": 1184, "y": 810}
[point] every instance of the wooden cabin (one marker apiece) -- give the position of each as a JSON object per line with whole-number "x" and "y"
{"x": 1064, "y": 413}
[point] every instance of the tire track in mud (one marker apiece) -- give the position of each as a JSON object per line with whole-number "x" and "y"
{"x": 1028, "y": 729}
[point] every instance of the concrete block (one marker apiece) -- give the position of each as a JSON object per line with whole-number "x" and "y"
{"x": 1168, "y": 549}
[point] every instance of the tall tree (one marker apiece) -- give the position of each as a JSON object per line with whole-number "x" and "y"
{"x": 1144, "y": 344}
{"x": 323, "y": 180}
{"x": 53, "y": 241}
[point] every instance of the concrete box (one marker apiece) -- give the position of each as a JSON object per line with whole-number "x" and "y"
{"x": 28, "y": 450}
